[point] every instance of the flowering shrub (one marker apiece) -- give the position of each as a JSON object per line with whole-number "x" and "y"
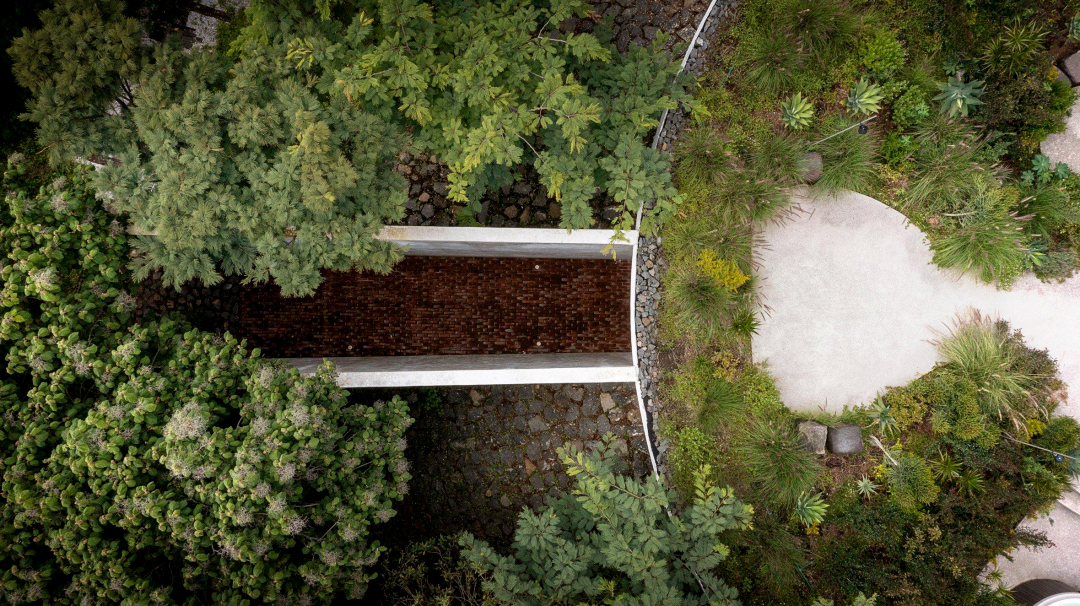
{"x": 149, "y": 463}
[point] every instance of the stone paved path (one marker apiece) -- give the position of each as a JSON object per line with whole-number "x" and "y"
{"x": 855, "y": 302}
{"x": 448, "y": 305}
{"x": 486, "y": 452}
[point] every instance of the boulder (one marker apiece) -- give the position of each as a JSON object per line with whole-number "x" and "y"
{"x": 1062, "y": 77}
{"x": 845, "y": 439}
{"x": 812, "y": 436}
{"x": 812, "y": 167}
{"x": 1071, "y": 66}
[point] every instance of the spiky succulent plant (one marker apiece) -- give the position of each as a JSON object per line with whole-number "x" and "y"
{"x": 796, "y": 112}
{"x": 865, "y": 97}
{"x": 810, "y": 509}
{"x": 958, "y": 97}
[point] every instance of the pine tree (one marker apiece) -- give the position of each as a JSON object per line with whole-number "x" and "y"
{"x": 275, "y": 159}
{"x": 614, "y": 540}
{"x": 150, "y": 463}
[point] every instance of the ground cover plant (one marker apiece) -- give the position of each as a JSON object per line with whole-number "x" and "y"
{"x": 150, "y": 462}
{"x": 959, "y": 95}
{"x": 916, "y": 518}
{"x": 273, "y": 155}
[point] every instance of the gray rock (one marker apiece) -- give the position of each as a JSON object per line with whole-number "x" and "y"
{"x": 536, "y": 424}
{"x": 1071, "y": 66}
{"x": 1062, "y": 77}
{"x": 504, "y": 500}
{"x": 812, "y": 167}
{"x": 845, "y": 439}
{"x": 511, "y": 212}
{"x": 427, "y": 211}
{"x": 607, "y": 402}
{"x": 532, "y": 450}
{"x": 812, "y": 436}
{"x": 572, "y": 414}
{"x": 574, "y": 392}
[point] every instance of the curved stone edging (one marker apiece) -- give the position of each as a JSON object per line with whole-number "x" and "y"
{"x": 648, "y": 260}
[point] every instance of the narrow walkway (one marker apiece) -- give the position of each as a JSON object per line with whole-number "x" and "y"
{"x": 448, "y": 305}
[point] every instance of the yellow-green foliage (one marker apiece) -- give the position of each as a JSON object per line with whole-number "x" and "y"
{"x": 692, "y": 449}
{"x": 908, "y": 405}
{"x": 911, "y": 482}
{"x": 759, "y": 392}
{"x": 724, "y": 272}
{"x": 957, "y": 413}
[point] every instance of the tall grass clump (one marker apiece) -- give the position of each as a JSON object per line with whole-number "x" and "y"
{"x": 696, "y": 305}
{"x": 687, "y": 237}
{"x": 775, "y": 461}
{"x": 950, "y": 161}
{"x": 780, "y": 158}
{"x": 822, "y": 28}
{"x": 988, "y": 244}
{"x": 847, "y": 159}
{"x": 774, "y": 61}
{"x": 979, "y": 350}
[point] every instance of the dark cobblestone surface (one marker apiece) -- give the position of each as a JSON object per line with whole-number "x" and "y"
{"x": 482, "y": 453}
{"x": 210, "y": 308}
{"x": 448, "y": 305}
{"x": 650, "y": 260}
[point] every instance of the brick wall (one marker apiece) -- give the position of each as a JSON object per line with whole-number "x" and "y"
{"x": 448, "y": 305}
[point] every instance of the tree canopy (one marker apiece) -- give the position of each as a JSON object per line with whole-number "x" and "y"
{"x": 276, "y": 159}
{"x": 150, "y": 463}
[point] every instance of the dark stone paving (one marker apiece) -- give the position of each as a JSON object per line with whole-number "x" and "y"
{"x": 448, "y": 305}
{"x": 483, "y": 453}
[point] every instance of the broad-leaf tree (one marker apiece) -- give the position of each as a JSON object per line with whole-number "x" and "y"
{"x": 157, "y": 464}
{"x": 614, "y": 539}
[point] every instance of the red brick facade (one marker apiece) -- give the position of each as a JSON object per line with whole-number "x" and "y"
{"x": 448, "y": 305}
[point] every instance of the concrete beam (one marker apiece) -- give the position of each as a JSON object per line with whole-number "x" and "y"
{"x": 528, "y": 243}
{"x": 458, "y": 370}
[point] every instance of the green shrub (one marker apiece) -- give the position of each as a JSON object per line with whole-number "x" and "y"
{"x": 1061, "y": 434}
{"x": 882, "y": 54}
{"x": 430, "y": 572}
{"x": 760, "y": 393}
{"x": 911, "y": 108}
{"x": 897, "y": 150}
{"x": 691, "y": 449}
{"x": 779, "y": 467}
{"x": 911, "y": 482}
{"x": 616, "y": 537}
{"x": 1058, "y": 266}
{"x": 957, "y": 412}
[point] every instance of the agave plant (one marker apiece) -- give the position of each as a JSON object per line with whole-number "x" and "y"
{"x": 945, "y": 467}
{"x": 796, "y": 112}
{"x": 866, "y": 487}
{"x": 882, "y": 419}
{"x": 958, "y": 97}
{"x": 810, "y": 509}
{"x": 865, "y": 97}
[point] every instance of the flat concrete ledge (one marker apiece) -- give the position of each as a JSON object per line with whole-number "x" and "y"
{"x": 509, "y": 242}
{"x": 460, "y": 370}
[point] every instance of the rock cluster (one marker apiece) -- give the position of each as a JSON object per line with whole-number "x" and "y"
{"x": 210, "y": 308}
{"x": 480, "y": 454}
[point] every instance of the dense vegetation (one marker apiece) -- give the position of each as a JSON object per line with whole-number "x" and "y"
{"x": 274, "y": 154}
{"x": 148, "y": 462}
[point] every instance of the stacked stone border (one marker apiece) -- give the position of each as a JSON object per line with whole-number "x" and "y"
{"x": 648, "y": 262}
